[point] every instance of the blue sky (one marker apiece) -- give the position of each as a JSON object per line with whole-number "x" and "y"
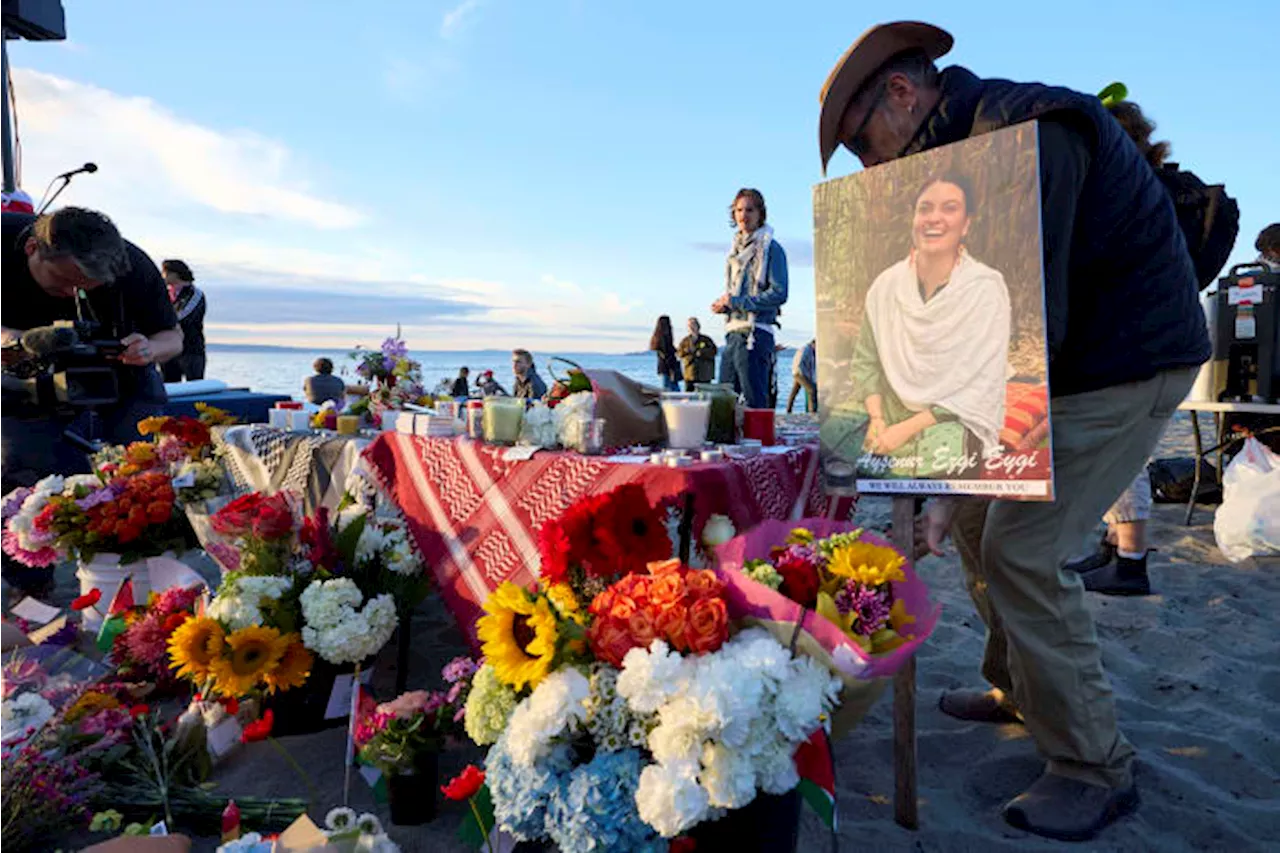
{"x": 554, "y": 174}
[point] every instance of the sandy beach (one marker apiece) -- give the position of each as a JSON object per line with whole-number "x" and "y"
{"x": 1195, "y": 668}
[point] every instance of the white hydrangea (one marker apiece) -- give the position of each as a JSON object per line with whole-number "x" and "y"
{"x": 557, "y": 705}
{"x": 239, "y": 603}
{"x": 337, "y": 628}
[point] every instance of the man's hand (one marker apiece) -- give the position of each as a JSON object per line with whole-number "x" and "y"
{"x": 936, "y": 522}
{"x": 138, "y": 351}
{"x": 721, "y": 305}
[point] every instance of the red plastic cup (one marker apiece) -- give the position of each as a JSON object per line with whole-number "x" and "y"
{"x": 289, "y": 404}
{"x": 758, "y": 424}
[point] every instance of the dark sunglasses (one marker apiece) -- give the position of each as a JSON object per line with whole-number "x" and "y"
{"x": 857, "y": 142}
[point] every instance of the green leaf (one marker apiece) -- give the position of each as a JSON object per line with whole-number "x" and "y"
{"x": 346, "y": 540}
{"x": 470, "y": 832}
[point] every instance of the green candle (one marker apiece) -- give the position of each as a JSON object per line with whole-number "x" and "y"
{"x": 502, "y": 419}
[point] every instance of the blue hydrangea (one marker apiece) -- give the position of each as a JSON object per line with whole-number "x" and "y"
{"x": 521, "y": 794}
{"x": 596, "y": 808}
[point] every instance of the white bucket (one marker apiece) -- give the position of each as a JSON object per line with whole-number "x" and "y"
{"x": 105, "y": 574}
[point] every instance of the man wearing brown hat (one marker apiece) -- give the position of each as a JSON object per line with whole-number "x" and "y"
{"x": 1125, "y": 335}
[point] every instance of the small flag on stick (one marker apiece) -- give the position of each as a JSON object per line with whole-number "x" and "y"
{"x": 114, "y": 623}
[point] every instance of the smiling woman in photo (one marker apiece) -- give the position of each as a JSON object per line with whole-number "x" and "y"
{"x": 934, "y": 343}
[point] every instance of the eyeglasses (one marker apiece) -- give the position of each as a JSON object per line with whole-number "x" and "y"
{"x": 857, "y": 143}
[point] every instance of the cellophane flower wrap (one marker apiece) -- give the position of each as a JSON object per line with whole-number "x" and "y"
{"x": 330, "y": 585}
{"x": 621, "y": 704}
{"x": 844, "y": 596}
{"x": 396, "y": 378}
{"x": 395, "y": 735}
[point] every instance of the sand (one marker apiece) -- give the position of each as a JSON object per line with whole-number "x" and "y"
{"x": 1196, "y": 673}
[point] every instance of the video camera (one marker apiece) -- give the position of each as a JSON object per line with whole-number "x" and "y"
{"x": 64, "y": 366}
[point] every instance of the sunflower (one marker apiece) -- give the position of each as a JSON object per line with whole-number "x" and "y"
{"x": 194, "y": 646}
{"x": 870, "y": 565}
{"x": 253, "y": 652}
{"x": 294, "y": 667}
{"x": 518, "y": 635}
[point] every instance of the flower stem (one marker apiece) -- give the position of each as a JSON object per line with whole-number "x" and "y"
{"x": 312, "y": 799}
{"x": 484, "y": 833}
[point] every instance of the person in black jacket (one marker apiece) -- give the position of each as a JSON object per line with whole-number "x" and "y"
{"x": 189, "y": 303}
{"x": 1125, "y": 336}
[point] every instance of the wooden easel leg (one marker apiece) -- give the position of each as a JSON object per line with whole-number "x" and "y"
{"x": 905, "y": 795}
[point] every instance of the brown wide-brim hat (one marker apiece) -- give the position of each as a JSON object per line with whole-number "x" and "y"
{"x": 873, "y": 49}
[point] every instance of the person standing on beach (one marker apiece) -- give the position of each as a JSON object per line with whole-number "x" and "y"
{"x": 189, "y": 303}
{"x": 1120, "y": 362}
{"x": 755, "y": 290}
{"x": 663, "y": 343}
{"x": 804, "y": 375}
{"x": 529, "y": 384}
{"x": 461, "y": 388}
{"x": 698, "y": 353}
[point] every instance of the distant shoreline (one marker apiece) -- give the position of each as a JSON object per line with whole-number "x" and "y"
{"x": 223, "y": 347}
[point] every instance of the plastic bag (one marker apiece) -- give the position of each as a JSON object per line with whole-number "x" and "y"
{"x": 1248, "y": 522}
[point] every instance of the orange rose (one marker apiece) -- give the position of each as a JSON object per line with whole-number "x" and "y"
{"x": 642, "y": 628}
{"x": 671, "y": 626}
{"x": 703, "y": 583}
{"x": 665, "y": 567}
{"x": 638, "y": 588}
{"x": 708, "y": 625}
{"x": 610, "y": 641}
{"x": 666, "y": 589}
{"x": 622, "y": 608}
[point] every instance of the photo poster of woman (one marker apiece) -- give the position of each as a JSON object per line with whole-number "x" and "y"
{"x": 931, "y": 327}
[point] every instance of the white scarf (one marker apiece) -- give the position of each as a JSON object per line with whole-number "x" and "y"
{"x": 952, "y": 351}
{"x": 747, "y": 266}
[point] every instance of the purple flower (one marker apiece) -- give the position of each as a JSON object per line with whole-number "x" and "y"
{"x": 435, "y": 701}
{"x": 458, "y": 669}
{"x": 100, "y": 496}
{"x": 64, "y": 636}
{"x": 388, "y": 363}
{"x": 394, "y": 348}
{"x": 455, "y": 691}
{"x": 13, "y": 501}
{"x": 870, "y": 605}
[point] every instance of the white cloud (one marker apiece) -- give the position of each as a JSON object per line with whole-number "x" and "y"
{"x": 153, "y": 161}
{"x": 453, "y": 20}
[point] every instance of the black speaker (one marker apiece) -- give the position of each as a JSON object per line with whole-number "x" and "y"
{"x": 35, "y": 20}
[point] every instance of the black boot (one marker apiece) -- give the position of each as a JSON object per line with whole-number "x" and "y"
{"x": 1102, "y": 557}
{"x": 1127, "y": 576}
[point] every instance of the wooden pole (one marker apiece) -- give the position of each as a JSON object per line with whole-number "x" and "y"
{"x": 905, "y": 795}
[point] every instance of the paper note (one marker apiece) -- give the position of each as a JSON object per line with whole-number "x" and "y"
{"x": 41, "y": 635}
{"x": 224, "y": 737}
{"x": 340, "y": 697}
{"x": 520, "y": 453}
{"x": 34, "y": 610}
{"x": 159, "y": 829}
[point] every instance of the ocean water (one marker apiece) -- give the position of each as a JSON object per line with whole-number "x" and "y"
{"x": 282, "y": 370}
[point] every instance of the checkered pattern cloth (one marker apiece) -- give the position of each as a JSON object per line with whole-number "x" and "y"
{"x": 318, "y": 468}
{"x": 475, "y": 515}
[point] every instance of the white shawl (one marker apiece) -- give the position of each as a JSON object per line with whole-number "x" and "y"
{"x": 952, "y": 351}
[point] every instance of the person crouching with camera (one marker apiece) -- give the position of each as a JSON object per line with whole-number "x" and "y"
{"x": 86, "y": 318}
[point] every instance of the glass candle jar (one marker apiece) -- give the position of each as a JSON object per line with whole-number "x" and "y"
{"x": 687, "y": 417}
{"x": 502, "y": 419}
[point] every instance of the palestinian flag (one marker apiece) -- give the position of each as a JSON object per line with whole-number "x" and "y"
{"x": 816, "y": 766}
{"x": 113, "y": 625}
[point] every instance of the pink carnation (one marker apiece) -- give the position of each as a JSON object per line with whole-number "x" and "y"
{"x": 406, "y": 705}
{"x": 42, "y": 558}
{"x": 175, "y": 600}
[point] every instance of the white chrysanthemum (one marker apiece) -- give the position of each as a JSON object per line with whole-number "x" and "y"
{"x": 557, "y": 705}
{"x": 776, "y": 769}
{"x": 670, "y": 799}
{"x": 651, "y": 676}
{"x": 89, "y": 481}
{"x": 728, "y": 776}
{"x": 239, "y": 603}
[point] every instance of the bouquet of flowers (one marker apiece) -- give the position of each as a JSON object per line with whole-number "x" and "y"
{"x": 81, "y": 516}
{"x": 396, "y": 733}
{"x": 396, "y": 378}
{"x": 141, "y": 651}
{"x": 621, "y": 703}
{"x": 180, "y": 446}
{"x": 293, "y": 590}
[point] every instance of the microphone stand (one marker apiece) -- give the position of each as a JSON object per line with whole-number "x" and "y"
{"x": 66, "y": 179}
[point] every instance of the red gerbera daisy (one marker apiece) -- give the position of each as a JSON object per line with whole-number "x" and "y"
{"x": 632, "y": 532}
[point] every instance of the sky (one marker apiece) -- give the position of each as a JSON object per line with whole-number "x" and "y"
{"x": 552, "y": 174}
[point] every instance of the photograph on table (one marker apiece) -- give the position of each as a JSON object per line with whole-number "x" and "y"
{"x": 931, "y": 323}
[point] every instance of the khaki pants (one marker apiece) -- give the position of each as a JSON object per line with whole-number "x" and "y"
{"x": 1042, "y": 648}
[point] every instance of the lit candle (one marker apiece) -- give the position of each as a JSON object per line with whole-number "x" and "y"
{"x": 687, "y": 417}
{"x": 502, "y": 419}
{"x": 348, "y": 424}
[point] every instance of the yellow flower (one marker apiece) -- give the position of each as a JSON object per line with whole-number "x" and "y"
{"x": 800, "y": 536}
{"x": 565, "y": 600}
{"x": 294, "y": 667}
{"x": 150, "y": 426}
{"x": 89, "y": 704}
{"x": 194, "y": 646}
{"x": 518, "y": 635}
{"x": 213, "y": 416}
{"x": 899, "y": 618}
{"x": 869, "y": 565}
{"x": 252, "y": 652}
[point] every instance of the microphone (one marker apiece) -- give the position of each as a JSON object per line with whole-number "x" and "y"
{"x": 47, "y": 340}
{"x": 88, "y": 168}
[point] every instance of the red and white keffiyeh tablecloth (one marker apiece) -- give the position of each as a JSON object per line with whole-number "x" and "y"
{"x": 475, "y": 515}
